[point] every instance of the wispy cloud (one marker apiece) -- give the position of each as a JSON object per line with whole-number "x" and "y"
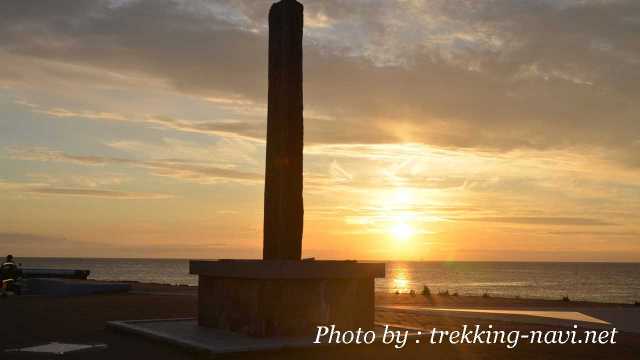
{"x": 87, "y": 181}
{"x": 48, "y": 190}
{"x": 543, "y": 220}
{"x": 250, "y": 131}
{"x": 109, "y": 194}
{"x": 64, "y": 113}
{"x": 599, "y": 234}
{"x": 174, "y": 168}
{"x": 60, "y": 245}
{"x": 45, "y": 154}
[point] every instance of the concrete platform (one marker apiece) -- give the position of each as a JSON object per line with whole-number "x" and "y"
{"x": 187, "y": 334}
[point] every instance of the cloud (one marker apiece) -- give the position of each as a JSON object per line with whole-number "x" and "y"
{"x": 244, "y": 130}
{"x": 108, "y": 194}
{"x": 477, "y": 107}
{"x": 64, "y": 113}
{"x": 603, "y": 234}
{"x": 496, "y": 75}
{"x": 44, "y": 154}
{"x": 13, "y": 239}
{"x": 174, "y": 168}
{"x": 87, "y": 181}
{"x": 534, "y": 220}
{"x": 338, "y": 173}
{"x": 48, "y": 190}
{"x": 23, "y": 244}
{"x": 253, "y": 131}
{"x": 199, "y": 173}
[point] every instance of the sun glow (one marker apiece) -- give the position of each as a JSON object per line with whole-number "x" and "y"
{"x": 400, "y": 220}
{"x": 400, "y": 284}
{"x": 402, "y": 232}
{"x": 401, "y": 196}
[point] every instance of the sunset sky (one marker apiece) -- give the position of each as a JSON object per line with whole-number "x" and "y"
{"x": 434, "y": 130}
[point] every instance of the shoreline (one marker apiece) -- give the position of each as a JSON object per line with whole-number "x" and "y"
{"x": 580, "y": 281}
{"x": 383, "y": 297}
{"x": 384, "y": 261}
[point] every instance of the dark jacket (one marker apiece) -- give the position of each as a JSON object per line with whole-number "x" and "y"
{"x": 9, "y": 270}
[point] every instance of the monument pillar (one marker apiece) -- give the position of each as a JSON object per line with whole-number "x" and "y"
{"x": 282, "y": 295}
{"x": 283, "y": 208}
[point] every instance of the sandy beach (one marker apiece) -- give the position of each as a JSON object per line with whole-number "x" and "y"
{"x": 31, "y": 320}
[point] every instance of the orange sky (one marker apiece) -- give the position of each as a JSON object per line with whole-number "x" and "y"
{"x": 434, "y": 130}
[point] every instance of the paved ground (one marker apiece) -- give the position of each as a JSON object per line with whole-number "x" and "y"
{"x": 29, "y": 321}
{"x": 623, "y": 319}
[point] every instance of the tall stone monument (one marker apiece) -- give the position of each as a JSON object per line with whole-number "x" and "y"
{"x": 283, "y": 295}
{"x": 283, "y": 211}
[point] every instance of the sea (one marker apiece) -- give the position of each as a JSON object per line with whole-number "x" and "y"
{"x": 600, "y": 282}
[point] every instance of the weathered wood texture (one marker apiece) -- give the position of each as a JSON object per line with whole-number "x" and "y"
{"x": 283, "y": 208}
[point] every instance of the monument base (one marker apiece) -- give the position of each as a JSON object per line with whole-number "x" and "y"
{"x": 285, "y": 297}
{"x": 187, "y": 334}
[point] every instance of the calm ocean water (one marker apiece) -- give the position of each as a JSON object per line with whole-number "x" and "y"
{"x": 604, "y": 282}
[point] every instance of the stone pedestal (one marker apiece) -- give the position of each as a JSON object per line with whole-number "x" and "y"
{"x": 285, "y": 297}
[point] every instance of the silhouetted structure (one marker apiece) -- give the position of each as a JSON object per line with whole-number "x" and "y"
{"x": 282, "y": 295}
{"x": 283, "y": 208}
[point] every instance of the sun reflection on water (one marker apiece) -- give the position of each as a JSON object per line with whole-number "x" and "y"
{"x": 400, "y": 284}
{"x": 399, "y": 276}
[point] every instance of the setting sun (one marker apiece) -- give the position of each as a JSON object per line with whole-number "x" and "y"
{"x": 402, "y": 232}
{"x": 403, "y": 156}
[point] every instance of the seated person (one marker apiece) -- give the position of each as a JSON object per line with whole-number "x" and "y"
{"x": 9, "y": 274}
